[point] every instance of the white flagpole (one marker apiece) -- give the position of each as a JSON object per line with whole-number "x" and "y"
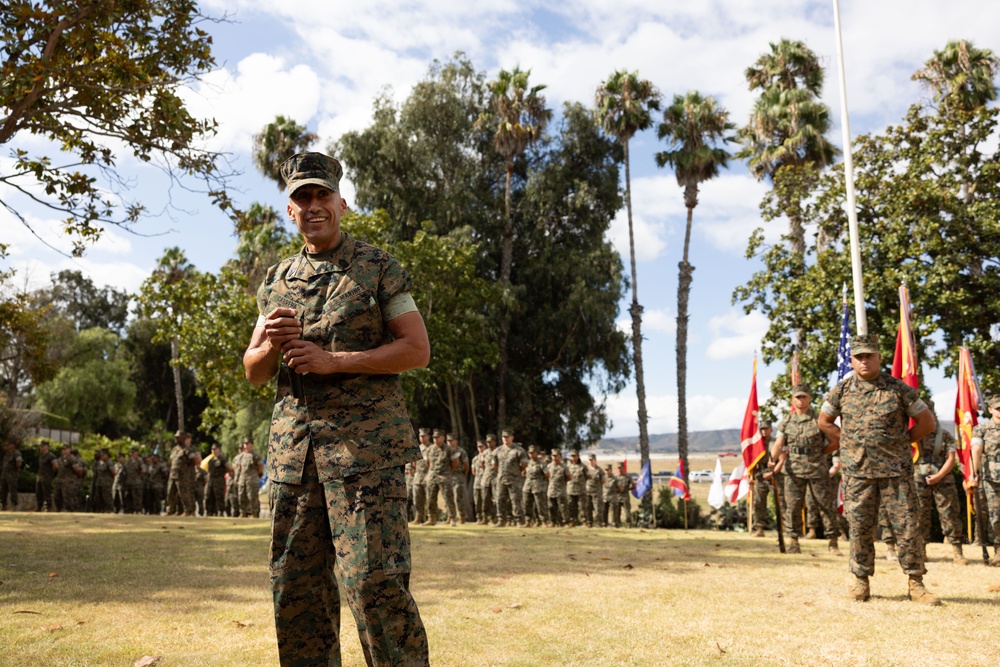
{"x": 852, "y": 207}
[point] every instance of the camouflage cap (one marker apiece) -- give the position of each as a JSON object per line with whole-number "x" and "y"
{"x": 532, "y": 449}
{"x": 424, "y": 431}
{"x": 438, "y": 433}
{"x": 575, "y": 453}
{"x": 621, "y": 466}
{"x": 491, "y": 438}
{"x": 801, "y": 390}
{"x": 993, "y": 401}
{"x": 311, "y": 169}
{"x": 480, "y": 444}
{"x": 180, "y": 435}
{"x": 867, "y": 344}
{"x": 765, "y": 423}
{"x": 556, "y": 452}
{"x": 452, "y": 437}
{"x": 592, "y": 457}
{"x": 507, "y": 433}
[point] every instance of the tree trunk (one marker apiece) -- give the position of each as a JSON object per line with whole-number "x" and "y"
{"x": 636, "y": 312}
{"x": 683, "y": 294}
{"x": 506, "y": 259}
{"x": 452, "y": 407}
{"x": 178, "y": 394}
{"x": 472, "y": 410}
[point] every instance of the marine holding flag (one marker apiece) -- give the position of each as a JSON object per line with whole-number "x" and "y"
{"x": 986, "y": 463}
{"x": 761, "y": 474}
{"x": 875, "y": 451}
{"x": 804, "y": 447}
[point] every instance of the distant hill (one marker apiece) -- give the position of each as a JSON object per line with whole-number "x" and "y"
{"x": 698, "y": 441}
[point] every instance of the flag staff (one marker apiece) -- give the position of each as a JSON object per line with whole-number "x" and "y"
{"x": 852, "y": 206}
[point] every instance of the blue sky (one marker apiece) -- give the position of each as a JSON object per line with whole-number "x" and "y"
{"x": 323, "y": 64}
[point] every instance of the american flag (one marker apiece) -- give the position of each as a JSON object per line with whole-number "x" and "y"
{"x": 844, "y": 351}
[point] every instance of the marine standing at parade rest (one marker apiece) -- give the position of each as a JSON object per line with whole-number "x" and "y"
{"x": 420, "y": 476}
{"x": 250, "y": 469}
{"x": 180, "y": 483}
{"x": 215, "y": 490}
{"x": 440, "y": 466}
{"x": 762, "y": 474}
{"x": 478, "y": 468}
{"x": 492, "y": 481}
{"x": 576, "y": 488}
{"x": 43, "y": 481}
{"x": 986, "y": 467}
{"x": 459, "y": 474}
{"x": 558, "y": 478}
{"x": 805, "y": 446}
{"x": 512, "y": 460}
{"x": 536, "y": 484}
{"x": 337, "y": 326}
{"x": 9, "y": 468}
{"x": 608, "y": 494}
{"x": 104, "y": 478}
{"x": 135, "y": 471}
{"x": 875, "y": 409}
{"x": 594, "y": 503}
{"x": 620, "y": 500}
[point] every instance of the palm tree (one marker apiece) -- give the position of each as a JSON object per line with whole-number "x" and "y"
{"x": 624, "y": 106}
{"x": 277, "y": 142}
{"x": 961, "y": 76}
{"x": 788, "y": 122}
{"x": 693, "y": 127}
{"x": 519, "y": 116}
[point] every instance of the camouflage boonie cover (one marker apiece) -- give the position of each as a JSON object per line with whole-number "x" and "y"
{"x": 354, "y": 423}
{"x": 874, "y": 440}
{"x": 805, "y": 444}
{"x": 989, "y": 433}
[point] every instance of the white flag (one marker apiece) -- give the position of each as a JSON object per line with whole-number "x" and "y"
{"x": 717, "y": 494}
{"x": 738, "y": 485}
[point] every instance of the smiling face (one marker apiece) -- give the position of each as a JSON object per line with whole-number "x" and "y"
{"x": 316, "y": 211}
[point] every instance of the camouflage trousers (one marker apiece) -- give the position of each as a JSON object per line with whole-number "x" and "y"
{"x": 862, "y": 499}
{"x": 593, "y": 508}
{"x": 557, "y": 511}
{"x": 574, "y": 509}
{"x": 132, "y": 498}
{"x": 445, "y": 488}
{"x": 102, "y": 502}
{"x": 535, "y": 506}
{"x": 180, "y": 495}
{"x": 821, "y": 494}
{"x": 992, "y": 492}
{"x": 458, "y": 486}
{"x": 215, "y": 497}
{"x": 617, "y": 505}
{"x": 420, "y": 500}
{"x": 479, "y": 502}
{"x": 945, "y": 496}
{"x": 355, "y": 528}
{"x": 8, "y": 489}
{"x": 509, "y": 502}
{"x": 249, "y": 493}
{"x": 761, "y": 491}
{"x": 489, "y": 502}
{"x": 43, "y": 494}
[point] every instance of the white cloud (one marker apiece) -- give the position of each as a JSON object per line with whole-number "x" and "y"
{"x": 704, "y": 413}
{"x": 653, "y": 321}
{"x": 735, "y": 335}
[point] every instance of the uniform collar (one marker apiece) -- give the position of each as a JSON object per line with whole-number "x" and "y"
{"x": 338, "y": 261}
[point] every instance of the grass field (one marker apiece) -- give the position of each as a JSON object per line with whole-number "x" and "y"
{"x": 108, "y": 590}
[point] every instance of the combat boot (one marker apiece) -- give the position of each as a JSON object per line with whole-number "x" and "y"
{"x": 810, "y": 534}
{"x": 859, "y": 590}
{"x": 758, "y": 532}
{"x": 920, "y": 594}
{"x": 890, "y": 552}
{"x": 834, "y": 549}
{"x": 995, "y": 561}
{"x": 958, "y": 558}
{"x": 793, "y": 546}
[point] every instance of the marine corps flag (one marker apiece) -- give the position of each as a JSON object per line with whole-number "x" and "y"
{"x": 750, "y": 440}
{"x": 904, "y": 361}
{"x": 966, "y": 409}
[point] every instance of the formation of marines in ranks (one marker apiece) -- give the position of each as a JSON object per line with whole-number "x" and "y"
{"x": 513, "y": 486}
{"x": 182, "y": 485}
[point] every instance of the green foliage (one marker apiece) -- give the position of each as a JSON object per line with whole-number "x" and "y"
{"x": 277, "y": 142}
{"x": 961, "y": 76}
{"x": 76, "y": 297}
{"x": 89, "y": 76}
{"x": 625, "y": 104}
{"x": 92, "y": 390}
{"x": 915, "y": 226}
{"x": 24, "y": 344}
{"x": 670, "y": 511}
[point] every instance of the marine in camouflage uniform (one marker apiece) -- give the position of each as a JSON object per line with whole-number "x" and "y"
{"x": 761, "y": 481}
{"x": 65, "y": 492}
{"x": 440, "y": 465}
{"x": 420, "y": 477}
{"x": 43, "y": 481}
{"x": 936, "y": 486}
{"x": 986, "y": 464}
{"x": 215, "y": 489}
{"x": 180, "y": 482}
{"x": 491, "y": 481}
{"x": 104, "y": 477}
{"x": 558, "y": 478}
{"x": 804, "y": 448}
{"x": 536, "y": 509}
{"x": 459, "y": 475}
{"x": 576, "y": 488}
{"x": 607, "y": 494}
{"x": 478, "y": 469}
{"x": 158, "y": 473}
{"x": 248, "y": 466}
{"x": 875, "y": 453}
{"x": 594, "y": 502}
{"x": 340, "y": 320}
{"x": 9, "y": 468}
{"x": 200, "y": 482}
{"x": 511, "y": 463}
{"x": 620, "y": 498}
{"x": 134, "y": 472}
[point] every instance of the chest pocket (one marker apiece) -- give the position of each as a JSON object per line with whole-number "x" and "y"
{"x": 349, "y": 321}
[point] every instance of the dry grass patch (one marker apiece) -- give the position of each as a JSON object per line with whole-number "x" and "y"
{"x": 196, "y": 592}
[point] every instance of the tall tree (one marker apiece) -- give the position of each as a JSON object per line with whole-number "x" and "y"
{"x": 961, "y": 76}
{"x": 165, "y": 297}
{"x": 695, "y": 130}
{"x": 518, "y": 116}
{"x": 100, "y": 80}
{"x": 788, "y": 124}
{"x": 624, "y": 106}
{"x": 76, "y": 297}
{"x": 278, "y": 141}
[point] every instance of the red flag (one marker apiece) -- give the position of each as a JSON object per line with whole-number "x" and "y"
{"x": 678, "y": 484}
{"x": 750, "y": 439}
{"x": 966, "y": 409}
{"x": 904, "y": 360}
